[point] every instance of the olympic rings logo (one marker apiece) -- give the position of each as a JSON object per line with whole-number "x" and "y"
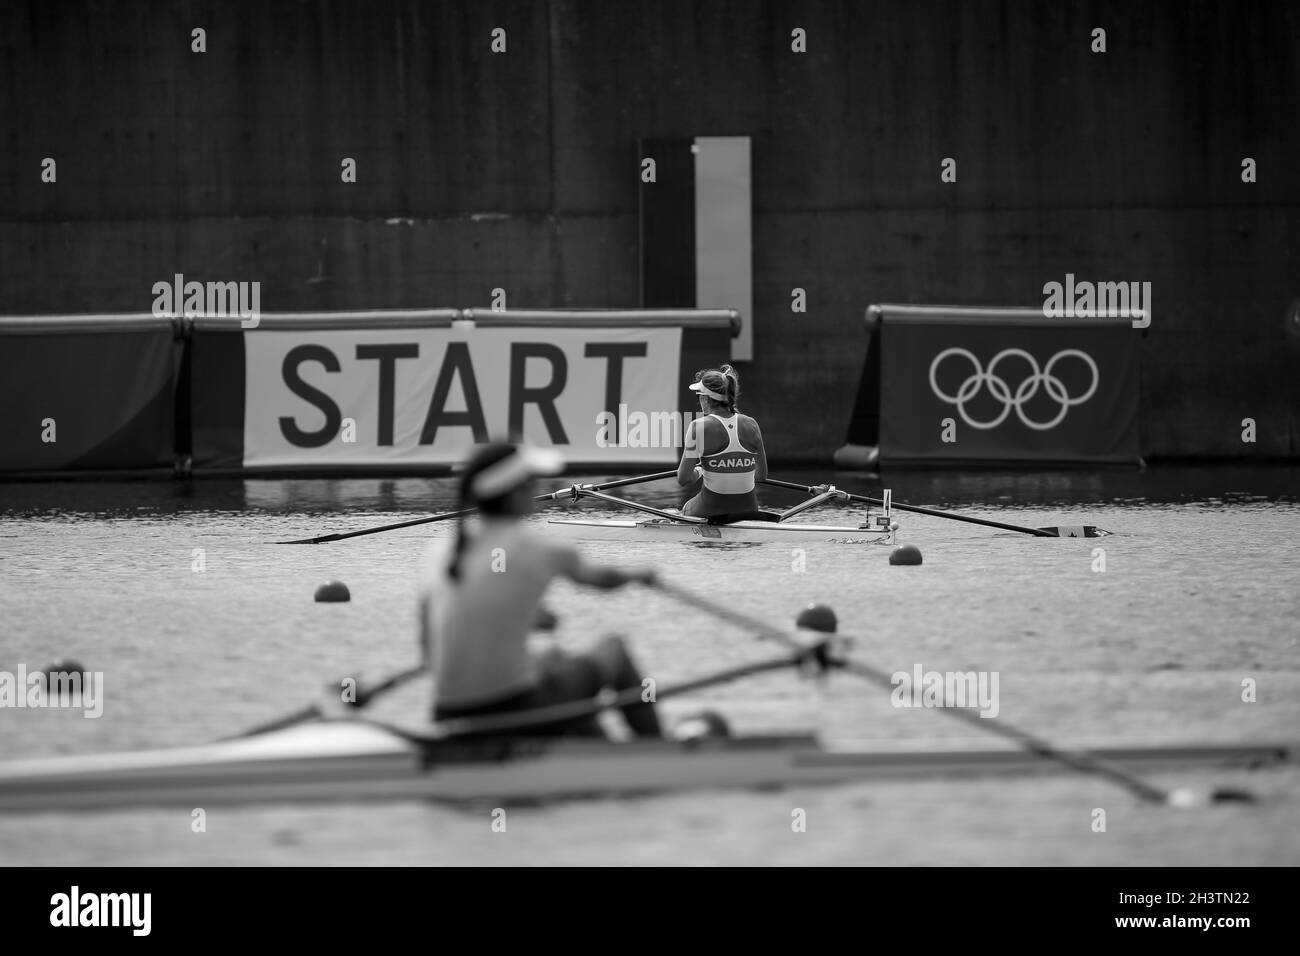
{"x": 1026, "y": 390}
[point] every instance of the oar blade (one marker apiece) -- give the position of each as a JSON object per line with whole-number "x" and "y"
{"x": 1076, "y": 531}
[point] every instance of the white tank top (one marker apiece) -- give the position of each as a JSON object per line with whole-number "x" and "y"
{"x": 479, "y": 625}
{"x": 730, "y": 471}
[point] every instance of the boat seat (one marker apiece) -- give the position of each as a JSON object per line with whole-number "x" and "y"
{"x": 744, "y": 516}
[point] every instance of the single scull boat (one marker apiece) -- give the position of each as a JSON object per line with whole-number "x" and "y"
{"x": 671, "y": 525}
{"x": 355, "y": 760}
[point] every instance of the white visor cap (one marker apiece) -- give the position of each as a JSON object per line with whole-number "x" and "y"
{"x": 705, "y": 390}
{"x": 510, "y": 472}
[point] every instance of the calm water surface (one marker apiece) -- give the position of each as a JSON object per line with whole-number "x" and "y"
{"x": 1199, "y": 592}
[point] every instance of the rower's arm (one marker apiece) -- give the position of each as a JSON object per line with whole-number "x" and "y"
{"x": 690, "y": 456}
{"x": 760, "y": 471}
{"x": 572, "y": 566}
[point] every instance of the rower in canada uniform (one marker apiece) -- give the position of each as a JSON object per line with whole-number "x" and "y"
{"x": 723, "y": 452}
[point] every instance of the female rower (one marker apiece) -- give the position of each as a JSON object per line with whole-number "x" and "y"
{"x": 479, "y": 602}
{"x": 725, "y": 450}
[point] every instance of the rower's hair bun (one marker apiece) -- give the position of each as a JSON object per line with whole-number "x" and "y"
{"x": 729, "y": 386}
{"x": 733, "y": 382}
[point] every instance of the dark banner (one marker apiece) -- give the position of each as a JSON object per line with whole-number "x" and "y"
{"x": 1000, "y": 385}
{"x": 87, "y": 393}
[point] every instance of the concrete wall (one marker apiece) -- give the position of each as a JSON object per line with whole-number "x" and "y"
{"x": 519, "y": 170}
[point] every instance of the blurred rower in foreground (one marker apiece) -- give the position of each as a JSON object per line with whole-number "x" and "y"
{"x": 724, "y": 449}
{"x": 482, "y": 594}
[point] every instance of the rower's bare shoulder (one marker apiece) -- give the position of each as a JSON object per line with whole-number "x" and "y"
{"x": 696, "y": 434}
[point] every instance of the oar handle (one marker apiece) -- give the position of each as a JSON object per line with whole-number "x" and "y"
{"x": 622, "y": 482}
{"x": 895, "y": 503}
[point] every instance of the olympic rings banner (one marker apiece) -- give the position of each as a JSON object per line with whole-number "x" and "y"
{"x": 1006, "y": 385}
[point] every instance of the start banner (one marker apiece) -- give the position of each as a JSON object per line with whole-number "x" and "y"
{"x": 405, "y": 391}
{"x": 997, "y": 386}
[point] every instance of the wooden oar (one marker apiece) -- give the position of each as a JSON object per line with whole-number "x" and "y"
{"x": 364, "y": 696}
{"x": 1085, "y": 531}
{"x": 1079, "y": 760}
{"x": 549, "y": 496}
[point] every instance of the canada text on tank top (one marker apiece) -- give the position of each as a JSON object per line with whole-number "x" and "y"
{"x": 730, "y": 471}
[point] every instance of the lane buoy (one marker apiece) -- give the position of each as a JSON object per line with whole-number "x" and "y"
{"x": 817, "y": 617}
{"x": 64, "y": 666}
{"x": 905, "y": 554}
{"x": 333, "y": 591}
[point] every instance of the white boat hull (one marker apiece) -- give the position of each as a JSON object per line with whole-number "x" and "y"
{"x": 757, "y": 532}
{"x": 356, "y": 760}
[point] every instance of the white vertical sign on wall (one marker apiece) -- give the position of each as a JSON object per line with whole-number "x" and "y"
{"x": 723, "y": 237}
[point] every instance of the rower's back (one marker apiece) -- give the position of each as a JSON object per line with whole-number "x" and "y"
{"x": 731, "y": 461}
{"x": 479, "y": 623}
{"x": 724, "y": 449}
